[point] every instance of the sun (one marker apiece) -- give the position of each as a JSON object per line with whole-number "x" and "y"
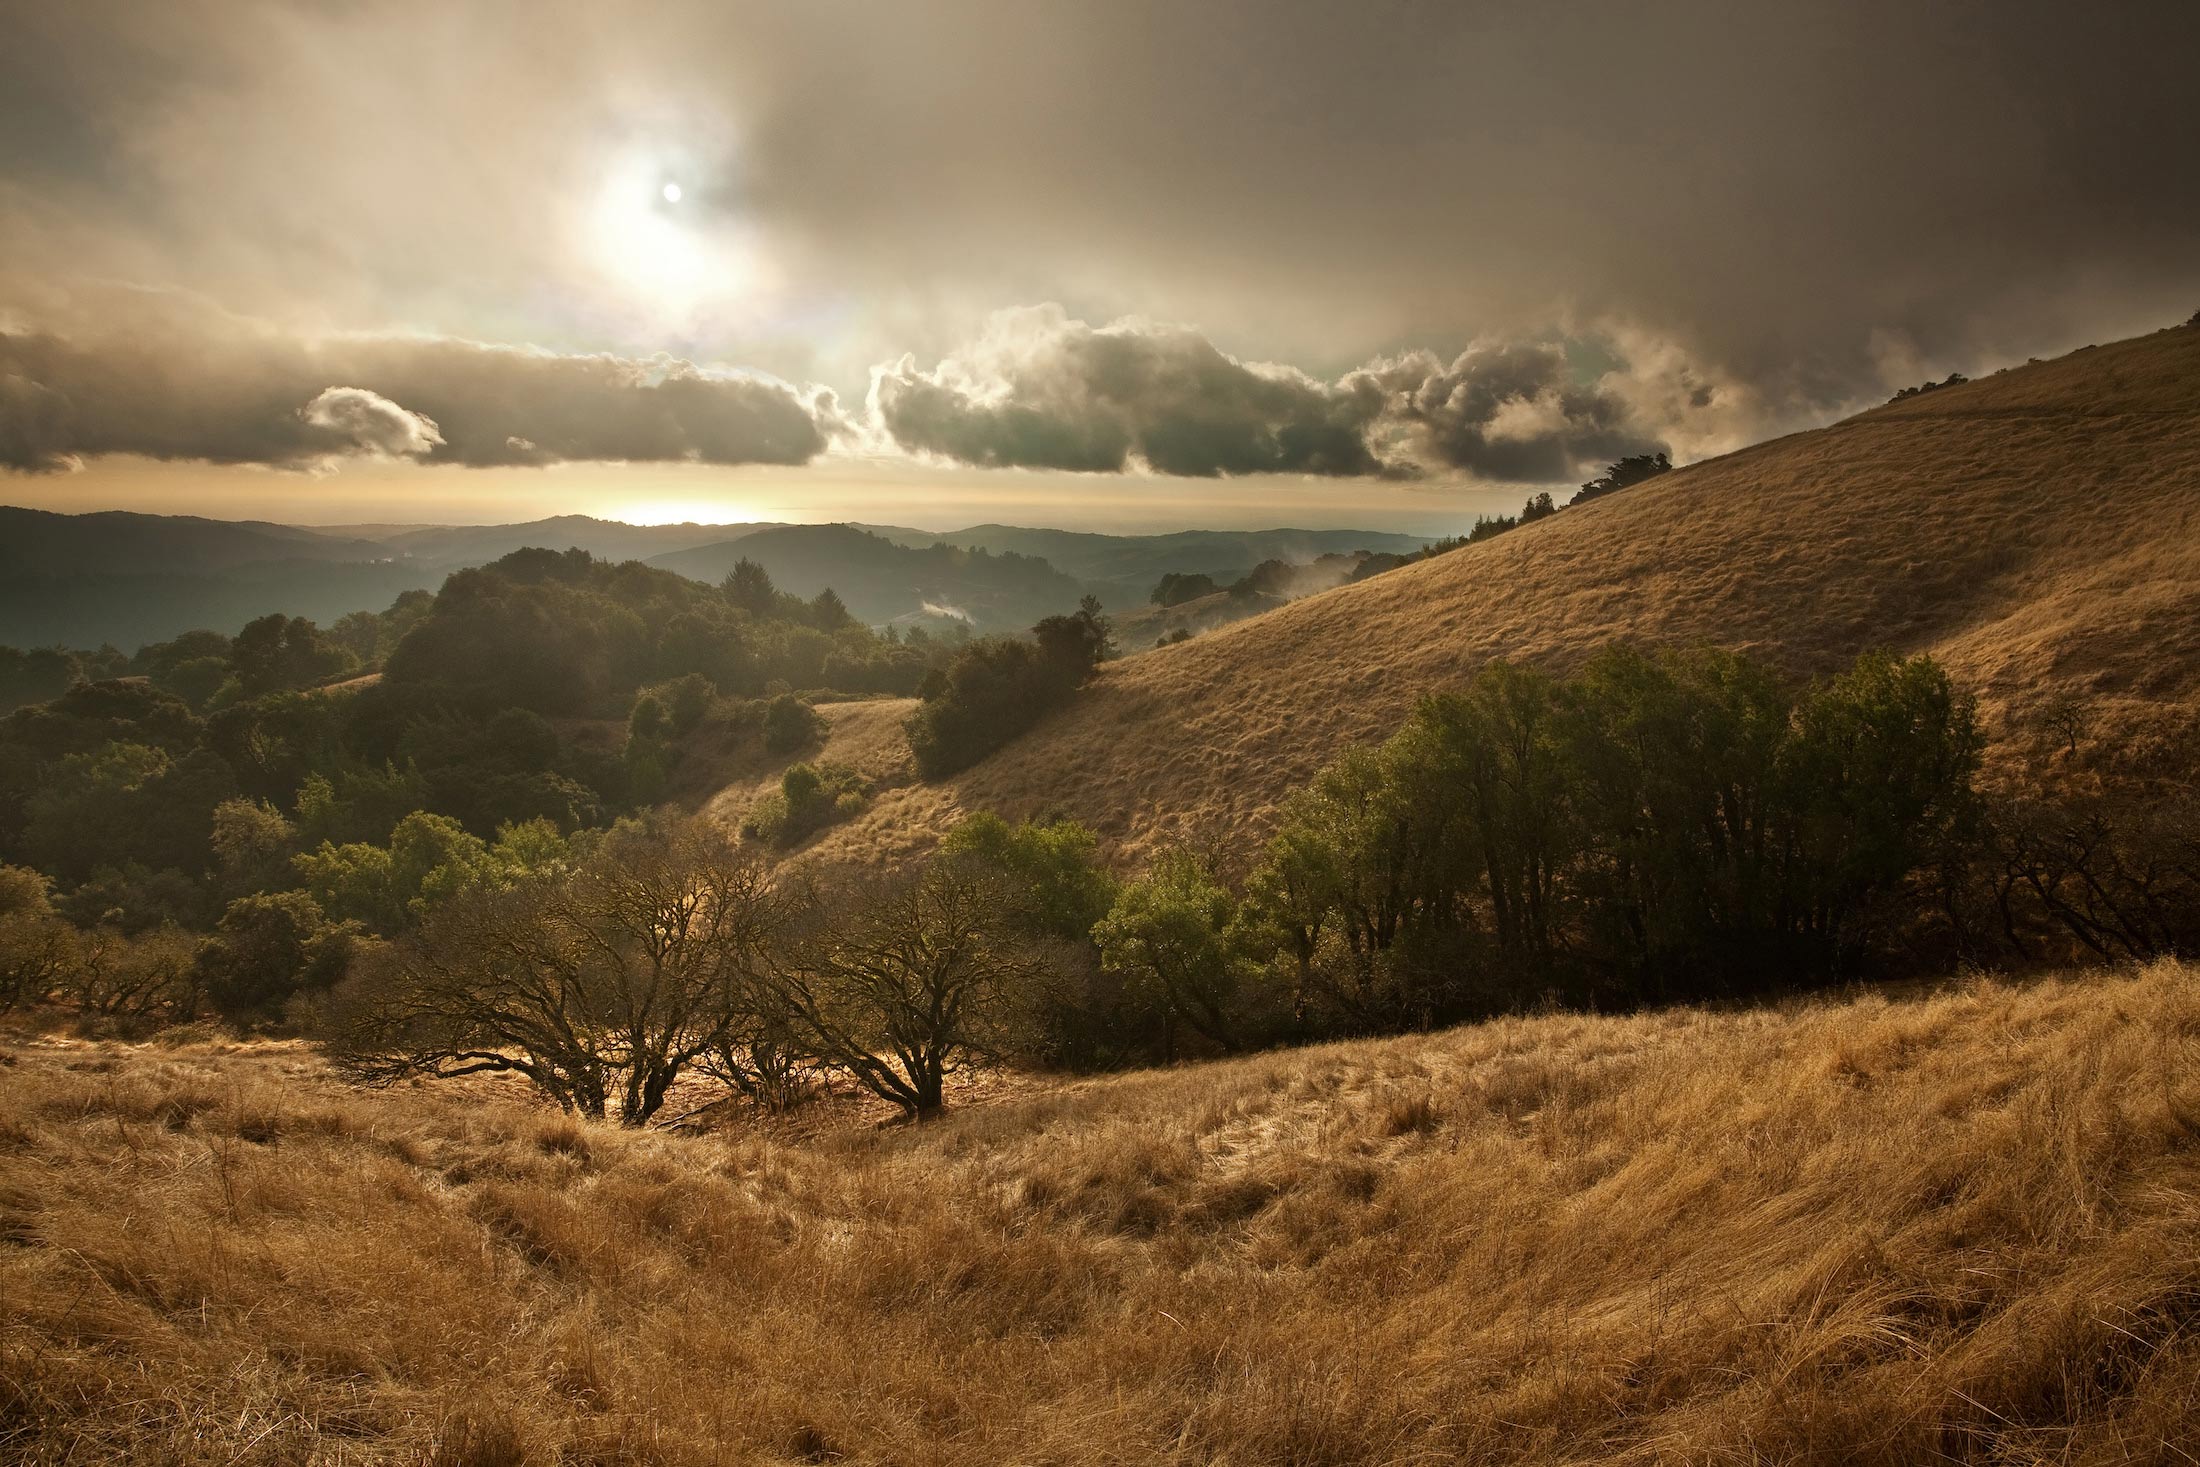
{"x": 645, "y": 244}
{"x": 672, "y": 239}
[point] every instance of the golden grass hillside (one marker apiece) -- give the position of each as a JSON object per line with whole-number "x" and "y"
{"x": 1957, "y": 1228}
{"x": 2038, "y": 530}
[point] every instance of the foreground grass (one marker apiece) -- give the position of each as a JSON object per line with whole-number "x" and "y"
{"x": 1962, "y": 1228}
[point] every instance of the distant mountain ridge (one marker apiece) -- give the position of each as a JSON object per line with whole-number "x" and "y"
{"x": 882, "y": 581}
{"x": 125, "y": 578}
{"x": 117, "y": 542}
{"x": 1122, "y": 569}
{"x": 454, "y": 546}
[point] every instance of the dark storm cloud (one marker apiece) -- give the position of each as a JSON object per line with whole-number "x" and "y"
{"x": 1045, "y": 392}
{"x": 1040, "y": 390}
{"x": 1803, "y": 205}
{"x": 1511, "y": 413}
{"x": 225, "y": 394}
{"x": 1037, "y": 390}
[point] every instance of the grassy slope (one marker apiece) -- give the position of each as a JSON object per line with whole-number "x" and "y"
{"x": 1960, "y": 1228}
{"x": 2039, "y": 530}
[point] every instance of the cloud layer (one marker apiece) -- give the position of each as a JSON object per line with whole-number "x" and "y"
{"x": 1037, "y": 389}
{"x": 1040, "y": 390}
{"x": 198, "y": 385}
{"x": 1780, "y": 190}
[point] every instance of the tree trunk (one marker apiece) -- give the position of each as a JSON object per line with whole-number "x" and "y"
{"x": 931, "y": 1090}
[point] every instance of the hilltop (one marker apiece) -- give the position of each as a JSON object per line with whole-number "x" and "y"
{"x": 1877, "y": 1230}
{"x": 2038, "y": 531}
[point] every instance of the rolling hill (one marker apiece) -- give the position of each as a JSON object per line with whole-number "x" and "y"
{"x": 1953, "y": 1228}
{"x": 2038, "y": 531}
{"x": 882, "y": 581}
{"x": 79, "y": 580}
{"x": 118, "y": 542}
{"x": 1122, "y": 569}
{"x": 449, "y": 547}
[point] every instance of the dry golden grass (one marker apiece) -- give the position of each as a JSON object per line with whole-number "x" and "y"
{"x": 865, "y": 736}
{"x": 2039, "y": 531}
{"x": 1961, "y": 1227}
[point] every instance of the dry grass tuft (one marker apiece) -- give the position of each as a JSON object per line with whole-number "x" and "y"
{"x": 1963, "y": 1227}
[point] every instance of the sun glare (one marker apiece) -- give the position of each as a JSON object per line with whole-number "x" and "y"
{"x": 684, "y": 512}
{"x": 670, "y": 249}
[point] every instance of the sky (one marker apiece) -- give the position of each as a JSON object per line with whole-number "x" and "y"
{"x": 1108, "y": 265}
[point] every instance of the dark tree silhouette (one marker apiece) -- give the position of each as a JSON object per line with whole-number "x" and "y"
{"x": 749, "y": 586}
{"x": 1630, "y": 470}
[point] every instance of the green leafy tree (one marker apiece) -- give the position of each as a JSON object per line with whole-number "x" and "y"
{"x": 1051, "y": 871}
{"x": 648, "y": 721}
{"x": 252, "y": 845}
{"x": 278, "y": 652}
{"x": 133, "y": 897}
{"x": 126, "y": 802}
{"x": 998, "y": 687}
{"x": 1054, "y": 889}
{"x": 197, "y": 681}
{"x": 38, "y": 675}
{"x": 829, "y": 613}
{"x": 749, "y": 586}
{"x": 686, "y": 701}
{"x": 267, "y": 949}
{"x": 1676, "y": 777}
{"x": 1497, "y": 745}
{"x": 38, "y": 948}
{"x": 429, "y": 859}
{"x": 1880, "y": 772}
{"x": 1169, "y": 933}
{"x": 523, "y": 739}
{"x": 1366, "y": 860}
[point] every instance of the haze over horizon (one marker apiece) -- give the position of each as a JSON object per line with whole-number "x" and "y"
{"x": 1141, "y": 268}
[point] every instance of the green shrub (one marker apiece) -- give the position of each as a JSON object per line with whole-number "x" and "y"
{"x": 686, "y": 700}
{"x": 791, "y": 724}
{"x": 810, "y": 797}
{"x": 997, "y": 688}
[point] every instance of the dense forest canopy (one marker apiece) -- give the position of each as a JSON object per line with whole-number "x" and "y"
{"x": 548, "y": 689}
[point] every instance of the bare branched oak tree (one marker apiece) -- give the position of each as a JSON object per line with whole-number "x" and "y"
{"x": 902, "y": 981}
{"x": 600, "y": 985}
